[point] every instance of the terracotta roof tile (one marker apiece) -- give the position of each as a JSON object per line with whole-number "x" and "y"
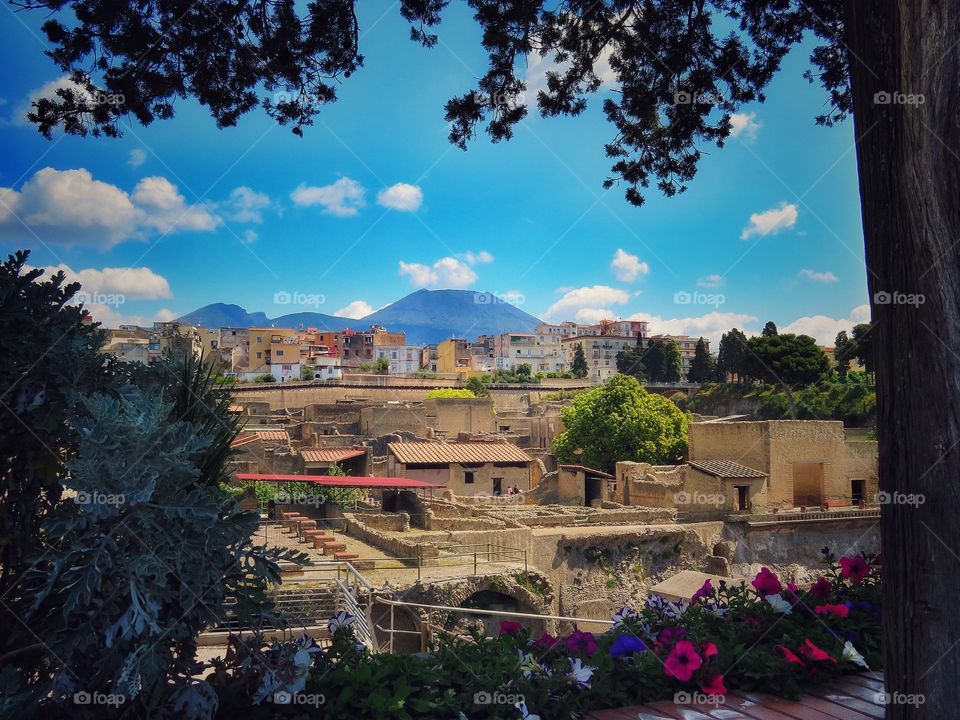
{"x": 726, "y": 469}
{"x": 432, "y": 453}
{"x": 329, "y": 454}
{"x": 271, "y": 436}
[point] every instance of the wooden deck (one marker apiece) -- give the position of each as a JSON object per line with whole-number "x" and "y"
{"x": 853, "y": 697}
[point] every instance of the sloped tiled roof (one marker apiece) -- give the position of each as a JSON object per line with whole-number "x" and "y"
{"x": 429, "y": 453}
{"x": 726, "y": 469}
{"x": 313, "y": 455}
{"x": 271, "y": 436}
{"x": 586, "y": 471}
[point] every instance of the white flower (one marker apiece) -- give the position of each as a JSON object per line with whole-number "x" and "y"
{"x": 525, "y": 714}
{"x": 850, "y": 653}
{"x": 779, "y": 604}
{"x": 622, "y": 614}
{"x": 580, "y": 673}
{"x": 530, "y": 667}
{"x": 342, "y": 619}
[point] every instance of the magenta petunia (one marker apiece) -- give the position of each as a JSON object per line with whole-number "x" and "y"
{"x": 682, "y": 661}
{"x": 789, "y": 655}
{"x": 578, "y": 641}
{"x": 855, "y": 568}
{"x": 709, "y": 650}
{"x": 510, "y": 627}
{"x": 703, "y": 592}
{"x": 767, "y": 583}
{"x": 545, "y": 642}
{"x": 821, "y": 589}
{"x": 713, "y": 685}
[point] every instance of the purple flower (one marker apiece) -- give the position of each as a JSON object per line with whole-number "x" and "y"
{"x": 578, "y": 641}
{"x": 627, "y": 645}
{"x": 671, "y": 636}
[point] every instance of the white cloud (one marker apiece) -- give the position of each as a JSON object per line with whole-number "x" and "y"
{"x": 710, "y": 282}
{"x": 587, "y": 304}
{"x": 344, "y": 198}
{"x": 47, "y": 90}
{"x": 249, "y": 236}
{"x": 627, "y": 267}
{"x": 111, "y": 317}
{"x": 446, "y": 272}
{"x": 137, "y": 157}
{"x": 402, "y": 196}
{"x": 245, "y": 205}
{"x": 824, "y": 277}
{"x": 538, "y": 65}
{"x": 474, "y": 258}
{"x": 162, "y": 207}
{"x": 771, "y": 221}
{"x": 711, "y": 326}
{"x": 744, "y": 124}
{"x": 355, "y": 310}
{"x": 134, "y": 283}
{"x": 825, "y": 328}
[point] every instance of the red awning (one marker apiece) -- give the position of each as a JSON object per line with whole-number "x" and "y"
{"x": 341, "y": 481}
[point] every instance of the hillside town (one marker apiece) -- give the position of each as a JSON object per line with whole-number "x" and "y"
{"x": 287, "y": 354}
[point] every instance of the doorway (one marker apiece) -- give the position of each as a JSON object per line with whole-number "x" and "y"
{"x": 808, "y": 484}
{"x": 498, "y": 486}
{"x": 743, "y": 498}
{"x": 857, "y": 491}
{"x": 592, "y": 490}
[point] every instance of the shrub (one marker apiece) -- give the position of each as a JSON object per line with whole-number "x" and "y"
{"x": 450, "y": 393}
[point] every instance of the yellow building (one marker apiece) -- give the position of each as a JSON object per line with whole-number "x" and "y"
{"x": 273, "y": 346}
{"x": 454, "y": 356}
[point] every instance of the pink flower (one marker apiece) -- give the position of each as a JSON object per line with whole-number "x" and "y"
{"x": 682, "y": 661}
{"x": 814, "y": 654}
{"x": 792, "y": 587}
{"x": 545, "y": 642}
{"x": 703, "y": 592}
{"x": 822, "y": 588}
{"x": 709, "y": 650}
{"x": 510, "y": 627}
{"x": 855, "y": 568}
{"x": 713, "y": 685}
{"x": 578, "y": 641}
{"x": 839, "y": 610}
{"x": 789, "y": 655}
{"x": 767, "y": 583}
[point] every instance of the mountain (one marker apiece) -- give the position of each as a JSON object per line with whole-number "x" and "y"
{"x": 426, "y": 316}
{"x": 429, "y": 316}
{"x": 223, "y": 315}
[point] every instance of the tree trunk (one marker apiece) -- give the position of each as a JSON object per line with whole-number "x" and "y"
{"x": 908, "y": 156}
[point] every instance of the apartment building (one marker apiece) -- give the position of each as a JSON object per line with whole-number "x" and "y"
{"x": 482, "y": 354}
{"x": 173, "y": 337}
{"x": 453, "y": 356}
{"x": 600, "y": 352}
{"x": 273, "y": 351}
{"x": 543, "y": 352}
{"x": 428, "y": 358}
{"x": 402, "y": 358}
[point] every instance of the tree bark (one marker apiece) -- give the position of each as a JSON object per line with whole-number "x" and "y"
{"x": 908, "y": 157}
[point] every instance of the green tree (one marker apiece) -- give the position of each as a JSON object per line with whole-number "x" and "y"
{"x": 381, "y": 366}
{"x": 701, "y": 369}
{"x": 672, "y": 362}
{"x": 769, "y": 330}
{"x": 842, "y": 352}
{"x": 48, "y": 359}
{"x": 579, "y": 367}
{"x": 477, "y": 387}
{"x": 787, "y": 360}
{"x": 630, "y": 361}
{"x": 308, "y": 372}
{"x": 730, "y": 355}
{"x": 620, "y": 421}
{"x": 862, "y": 349}
{"x": 523, "y": 372}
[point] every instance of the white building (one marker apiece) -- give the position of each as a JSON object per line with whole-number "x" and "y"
{"x": 402, "y": 358}
{"x": 543, "y": 352}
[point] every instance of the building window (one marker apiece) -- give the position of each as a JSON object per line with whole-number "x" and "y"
{"x": 259, "y": 356}
{"x": 279, "y": 353}
{"x": 468, "y": 477}
{"x": 259, "y": 339}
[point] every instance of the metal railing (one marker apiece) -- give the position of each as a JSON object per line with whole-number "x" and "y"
{"x": 429, "y": 627}
{"x": 490, "y": 551}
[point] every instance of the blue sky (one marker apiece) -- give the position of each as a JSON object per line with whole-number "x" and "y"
{"x": 373, "y": 203}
